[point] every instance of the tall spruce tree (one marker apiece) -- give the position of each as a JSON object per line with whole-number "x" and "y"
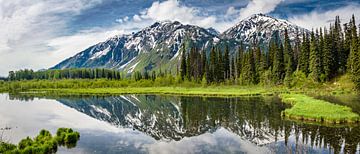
{"x": 304, "y": 55}
{"x": 353, "y": 46}
{"x": 315, "y": 61}
{"x": 297, "y": 48}
{"x": 289, "y": 55}
{"x": 354, "y": 60}
{"x": 183, "y": 63}
{"x": 220, "y": 70}
{"x": 239, "y": 60}
{"x": 278, "y": 70}
{"x": 212, "y": 65}
{"x": 226, "y": 62}
{"x": 328, "y": 59}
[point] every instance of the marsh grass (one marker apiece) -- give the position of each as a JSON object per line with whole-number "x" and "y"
{"x": 307, "y": 108}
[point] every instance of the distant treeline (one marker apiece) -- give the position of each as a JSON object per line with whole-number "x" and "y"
{"x": 83, "y": 73}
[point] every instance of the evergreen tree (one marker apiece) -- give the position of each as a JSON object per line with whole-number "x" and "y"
{"x": 304, "y": 55}
{"x": 239, "y": 60}
{"x": 328, "y": 59}
{"x": 353, "y": 47}
{"x": 354, "y": 60}
{"x": 289, "y": 55}
{"x": 232, "y": 68}
{"x": 315, "y": 61}
{"x": 297, "y": 48}
{"x": 183, "y": 63}
{"x": 220, "y": 66}
{"x": 203, "y": 63}
{"x": 212, "y": 65}
{"x": 279, "y": 66}
{"x": 337, "y": 48}
{"x": 188, "y": 67}
{"x": 226, "y": 62}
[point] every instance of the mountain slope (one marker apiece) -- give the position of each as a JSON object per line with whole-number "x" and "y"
{"x": 260, "y": 28}
{"x": 158, "y": 46}
{"x": 151, "y": 48}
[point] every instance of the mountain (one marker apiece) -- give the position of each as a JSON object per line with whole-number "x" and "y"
{"x": 259, "y": 28}
{"x": 151, "y": 48}
{"x": 158, "y": 46}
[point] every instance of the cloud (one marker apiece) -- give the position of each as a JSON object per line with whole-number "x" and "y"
{"x": 253, "y": 7}
{"x": 259, "y": 6}
{"x": 174, "y": 11}
{"x": 27, "y": 24}
{"x": 318, "y": 19}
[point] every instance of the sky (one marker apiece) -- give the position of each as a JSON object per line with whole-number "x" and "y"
{"x": 37, "y": 34}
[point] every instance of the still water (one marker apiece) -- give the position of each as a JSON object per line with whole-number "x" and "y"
{"x": 174, "y": 124}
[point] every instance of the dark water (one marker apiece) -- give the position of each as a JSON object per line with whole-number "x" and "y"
{"x": 170, "y": 124}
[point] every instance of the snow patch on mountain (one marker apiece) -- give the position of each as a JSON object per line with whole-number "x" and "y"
{"x": 100, "y": 53}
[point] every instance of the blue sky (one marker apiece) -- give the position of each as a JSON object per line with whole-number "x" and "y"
{"x": 38, "y": 34}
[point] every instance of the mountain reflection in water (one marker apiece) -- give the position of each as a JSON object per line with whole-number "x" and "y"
{"x": 255, "y": 119}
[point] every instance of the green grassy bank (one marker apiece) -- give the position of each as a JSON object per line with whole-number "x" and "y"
{"x": 310, "y": 109}
{"x": 200, "y": 91}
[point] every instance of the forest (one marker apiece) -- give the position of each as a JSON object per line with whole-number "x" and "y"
{"x": 318, "y": 56}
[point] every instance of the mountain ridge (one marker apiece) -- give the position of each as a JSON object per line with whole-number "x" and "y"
{"x": 158, "y": 45}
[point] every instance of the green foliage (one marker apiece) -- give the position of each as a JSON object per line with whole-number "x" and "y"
{"x": 278, "y": 69}
{"x": 315, "y": 58}
{"x": 44, "y": 143}
{"x": 304, "y": 55}
{"x": 6, "y": 147}
{"x": 310, "y": 109}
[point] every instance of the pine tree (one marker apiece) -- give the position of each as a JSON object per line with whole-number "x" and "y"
{"x": 239, "y": 60}
{"x": 289, "y": 55}
{"x": 354, "y": 60}
{"x": 183, "y": 63}
{"x": 297, "y": 49}
{"x": 232, "y": 68}
{"x": 347, "y": 44}
{"x": 203, "y": 63}
{"x": 304, "y": 55}
{"x": 226, "y": 63}
{"x": 220, "y": 66}
{"x": 278, "y": 69}
{"x": 315, "y": 61}
{"x": 188, "y": 67}
{"x": 328, "y": 59}
{"x": 212, "y": 65}
{"x": 353, "y": 47}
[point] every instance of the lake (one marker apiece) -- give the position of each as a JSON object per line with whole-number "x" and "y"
{"x": 175, "y": 124}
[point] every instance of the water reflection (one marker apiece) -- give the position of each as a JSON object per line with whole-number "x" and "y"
{"x": 253, "y": 119}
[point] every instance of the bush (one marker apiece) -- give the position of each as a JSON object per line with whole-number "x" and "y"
{"x": 44, "y": 143}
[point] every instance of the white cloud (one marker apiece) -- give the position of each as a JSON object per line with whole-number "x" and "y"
{"x": 317, "y": 19}
{"x": 27, "y": 24}
{"x": 174, "y": 11}
{"x": 258, "y": 6}
{"x": 137, "y": 18}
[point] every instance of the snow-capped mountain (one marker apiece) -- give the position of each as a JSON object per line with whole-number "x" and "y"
{"x": 158, "y": 46}
{"x": 260, "y": 28}
{"x": 153, "y": 47}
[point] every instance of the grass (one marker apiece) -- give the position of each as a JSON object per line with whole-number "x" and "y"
{"x": 198, "y": 91}
{"x": 310, "y": 109}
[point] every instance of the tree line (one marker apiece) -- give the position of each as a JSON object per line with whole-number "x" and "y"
{"x": 320, "y": 56}
{"x": 82, "y": 73}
